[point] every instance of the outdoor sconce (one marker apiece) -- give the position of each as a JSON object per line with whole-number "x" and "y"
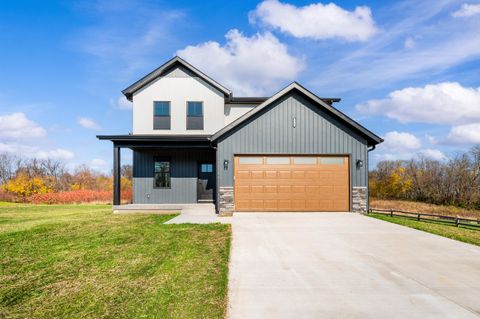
{"x": 359, "y": 163}
{"x": 225, "y": 164}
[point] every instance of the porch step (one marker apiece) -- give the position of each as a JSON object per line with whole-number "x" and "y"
{"x": 205, "y": 200}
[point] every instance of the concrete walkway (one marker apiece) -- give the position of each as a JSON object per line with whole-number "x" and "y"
{"x": 332, "y": 265}
{"x": 198, "y": 214}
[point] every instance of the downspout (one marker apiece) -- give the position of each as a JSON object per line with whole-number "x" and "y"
{"x": 368, "y": 186}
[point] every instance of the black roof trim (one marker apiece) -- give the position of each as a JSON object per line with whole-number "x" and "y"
{"x": 147, "y": 79}
{"x": 246, "y": 100}
{"x": 154, "y": 138}
{"x": 259, "y": 100}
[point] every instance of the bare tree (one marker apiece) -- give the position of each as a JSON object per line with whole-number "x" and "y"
{"x": 9, "y": 164}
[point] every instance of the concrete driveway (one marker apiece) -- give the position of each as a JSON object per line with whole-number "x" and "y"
{"x": 333, "y": 265}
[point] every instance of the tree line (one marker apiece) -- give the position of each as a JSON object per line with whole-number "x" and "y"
{"x": 452, "y": 182}
{"x": 23, "y": 178}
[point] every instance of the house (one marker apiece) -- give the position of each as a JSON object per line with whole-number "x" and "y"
{"x": 193, "y": 141}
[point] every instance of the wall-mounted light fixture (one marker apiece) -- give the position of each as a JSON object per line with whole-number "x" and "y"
{"x": 225, "y": 164}
{"x": 359, "y": 163}
{"x": 294, "y": 122}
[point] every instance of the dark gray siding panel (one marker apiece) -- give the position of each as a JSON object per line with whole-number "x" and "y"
{"x": 183, "y": 170}
{"x": 272, "y": 132}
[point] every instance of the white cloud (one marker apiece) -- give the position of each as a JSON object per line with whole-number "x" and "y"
{"x": 409, "y": 43}
{"x": 431, "y": 139}
{"x": 100, "y": 164}
{"x": 465, "y": 134}
{"x": 400, "y": 141}
{"x": 151, "y": 30}
{"x": 17, "y": 126}
{"x": 22, "y": 136}
{"x": 58, "y": 153}
{"x": 432, "y": 154}
{"x": 89, "y": 123}
{"x": 121, "y": 103}
{"x": 36, "y": 151}
{"x": 317, "y": 21}
{"x": 378, "y": 63}
{"x": 443, "y": 103}
{"x": 467, "y": 10}
{"x": 404, "y": 146}
{"x": 254, "y": 65}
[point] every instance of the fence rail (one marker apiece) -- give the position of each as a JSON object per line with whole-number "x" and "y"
{"x": 454, "y": 220}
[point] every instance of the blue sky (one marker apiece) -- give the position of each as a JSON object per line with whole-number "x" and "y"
{"x": 408, "y": 70}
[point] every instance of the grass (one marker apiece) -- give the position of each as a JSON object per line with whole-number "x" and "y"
{"x": 420, "y": 207}
{"x": 80, "y": 261}
{"x": 466, "y": 235}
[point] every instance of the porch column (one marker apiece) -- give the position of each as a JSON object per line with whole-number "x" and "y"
{"x": 116, "y": 175}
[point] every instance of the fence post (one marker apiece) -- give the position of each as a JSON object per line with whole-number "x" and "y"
{"x": 391, "y": 212}
{"x": 418, "y": 217}
{"x": 456, "y": 221}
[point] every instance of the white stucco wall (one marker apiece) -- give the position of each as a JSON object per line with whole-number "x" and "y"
{"x": 234, "y": 111}
{"x": 178, "y": 87}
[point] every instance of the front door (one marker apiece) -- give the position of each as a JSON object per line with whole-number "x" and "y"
{"x": 206, "y": 182}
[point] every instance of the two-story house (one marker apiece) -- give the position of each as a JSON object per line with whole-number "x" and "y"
{"x": 193, "y": 141}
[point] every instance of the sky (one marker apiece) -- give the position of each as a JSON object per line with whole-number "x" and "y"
{"x": 407, "y": 70}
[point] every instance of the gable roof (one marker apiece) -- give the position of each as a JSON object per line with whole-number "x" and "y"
{"x": 372, "y": 138}
{"x": 161, "y": 70}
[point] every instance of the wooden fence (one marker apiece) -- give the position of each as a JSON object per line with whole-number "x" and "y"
{"x": 451, "y": 220}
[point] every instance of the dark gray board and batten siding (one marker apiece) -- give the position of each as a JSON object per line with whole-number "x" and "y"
{"x": 272, "y": 132}
{"x": 183, "y": 170}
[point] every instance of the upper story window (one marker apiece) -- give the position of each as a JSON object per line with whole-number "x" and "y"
{"x": 161, "y": 115}
{"x": 194, "y": 115}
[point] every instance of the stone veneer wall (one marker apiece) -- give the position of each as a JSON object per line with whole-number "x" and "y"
{"x": 225, "y": 200}
{"x": 359, "y": 200}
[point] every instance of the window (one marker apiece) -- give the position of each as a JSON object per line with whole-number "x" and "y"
{"x": 304, "y": 160}
{"x": 161, "y": 173}
{"x": 206, "y": 168}
{"x": 194, "y": 115}
{"x": 278, "y": 160}
{"x": 331, "y": 160}
{"x": 250, "y": 160}
{"x": 161, "y": 115}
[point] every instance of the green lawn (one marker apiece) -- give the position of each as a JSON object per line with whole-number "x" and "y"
{"x": 466, "y": 235}
{"x": 80, "y": 261}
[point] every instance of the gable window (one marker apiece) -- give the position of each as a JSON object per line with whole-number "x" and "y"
{"x": 194, "y": 115}
{"x": 161, "y": 173}
{"x": 161, "y": 115}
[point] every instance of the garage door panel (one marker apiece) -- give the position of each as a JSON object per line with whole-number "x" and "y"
{"x": 286, "y": 183}
{"x": 241, "y": 174}
{"x": 298, "y": 189}
{"x": 284, "y": 174}
{"x": 282, "y": 189}
{"x": 270, "y": 204}
{"x": 242, "y": 189}
{"x": 298, "y": 174}
{"x": 271, "y": 174}
{"x": 257, "y": 189}
{"x": 256, "y": 174}
{"x": 284, "y": 204}
{"x": 312, "y": 189}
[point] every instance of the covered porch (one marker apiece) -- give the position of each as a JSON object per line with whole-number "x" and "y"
{"x": 168, "y": 170}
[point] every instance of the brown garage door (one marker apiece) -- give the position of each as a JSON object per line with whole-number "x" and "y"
{"x": 291, "y": 183}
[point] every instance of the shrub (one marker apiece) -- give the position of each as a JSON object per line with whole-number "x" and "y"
{"x": 77, "y": 197}
{"x": 24, "y": 186}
